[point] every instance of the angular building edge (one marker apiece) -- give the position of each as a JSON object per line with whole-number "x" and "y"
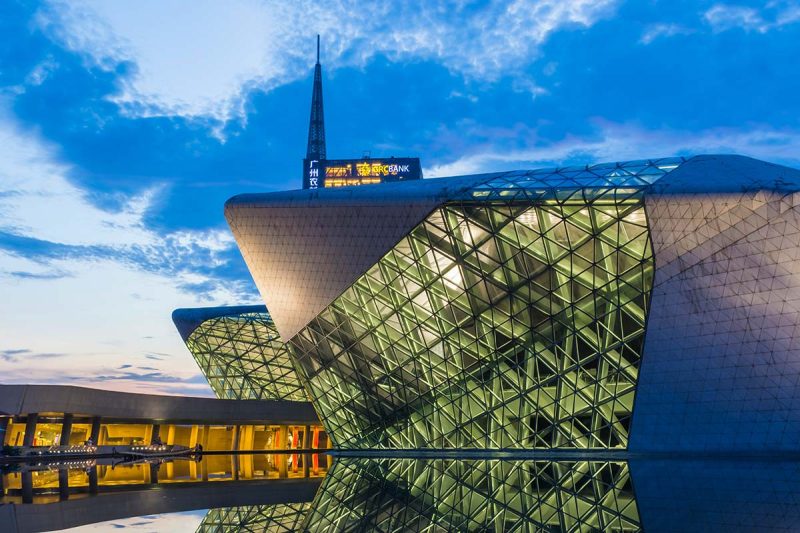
{"x": 239, "y": 352}
{"x": 187, "y": 319}
{"x": 739, "y": 212}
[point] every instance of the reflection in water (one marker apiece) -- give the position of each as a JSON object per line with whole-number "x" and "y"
{"x": 474, "y": 495}
{"x": 263, "y": 493}
{"x": 181, "y": 522}
{"x": 725, "y": 495}
{"x": 272, "y": 518}
{"x": 46, "y": 483}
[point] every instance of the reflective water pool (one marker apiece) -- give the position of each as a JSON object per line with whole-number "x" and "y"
{"x": 67, "y": 480}
{"x": 292, "y": 492}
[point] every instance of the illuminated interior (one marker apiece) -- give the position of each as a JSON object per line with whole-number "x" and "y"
{"x": 347, "y": 182}
{"x": 125, "y": 434}
{"x": 474, "y": 495}
{"x": 279, "y": 518}
{"x": 250, "y": 437}
{"x": 80, "y": 434}
{"x": 243, "y": 358}
{"x": 511, "y": 317}
{"x": 45, "y": 480}
{"x": 15, "y": 434}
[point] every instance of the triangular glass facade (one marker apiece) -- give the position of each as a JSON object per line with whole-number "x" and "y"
{"x": 284, "y": 518}
{"x": 397, "y": 495}
{"x": 243, "y": 358}
{"x": 512, "y": 317}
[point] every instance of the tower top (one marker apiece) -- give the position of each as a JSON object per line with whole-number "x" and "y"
{"x": 316, "y": 124}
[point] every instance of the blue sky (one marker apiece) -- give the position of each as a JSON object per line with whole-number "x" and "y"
{"x": 124, "y": 126}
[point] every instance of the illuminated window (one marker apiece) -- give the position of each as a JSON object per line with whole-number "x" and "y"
{"x": 474, "y": 495}
{"x": 511, "y": 317}
{"x": 243, "y": 358}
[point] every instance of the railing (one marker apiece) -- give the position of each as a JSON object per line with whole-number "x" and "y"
{"x": 65, "y": 450}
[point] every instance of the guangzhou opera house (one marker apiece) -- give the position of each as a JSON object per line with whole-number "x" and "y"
{"x": 648, "y": 306}
{"x": 240, "y": 352}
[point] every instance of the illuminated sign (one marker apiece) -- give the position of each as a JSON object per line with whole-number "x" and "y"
{"x": 367, "y": 171}
{"x": 312, "y": 174}
{"x": 339, "y": 172}
{"x": 378, "y": 168}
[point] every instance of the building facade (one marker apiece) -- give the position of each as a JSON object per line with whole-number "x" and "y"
{"x": 240, "y": 352}
{"x": 57, "y": 415}
{"x": 648, "y": 305}
{"x": 283, "y": 518}
{"x": 402, "y": 494}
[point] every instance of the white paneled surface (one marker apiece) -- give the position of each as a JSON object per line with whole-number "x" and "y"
{"x": 303, "y": 258}
{"x": 721, "y": 365}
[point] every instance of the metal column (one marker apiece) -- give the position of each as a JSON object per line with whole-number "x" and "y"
{"x": 30, "y": 429}
{"x": 95, "y": 435}
{"x": 66, "y": 429}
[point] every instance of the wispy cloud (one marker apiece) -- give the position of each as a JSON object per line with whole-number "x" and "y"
{"x": 657, "y": 31}
{"x": 619, "y": 142}
{"x": 50, "y": 355}
{"x": 38, "y": 275}
{"x": 12, "y": 355}
{"x": 49, "y": 220}
{"x": 98, "y": 280}
{"x": 145, "y": 379}
{"x": 201, "y": 62}
{"x": 140, "y": 374}
{"x": 772, "y": 15}
{"x": 24, "y": 354}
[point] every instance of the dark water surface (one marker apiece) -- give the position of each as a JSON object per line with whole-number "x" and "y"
{"x": 315, "y": 492}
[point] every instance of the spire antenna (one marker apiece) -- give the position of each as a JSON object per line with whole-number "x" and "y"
{"x": 316, "y": 125}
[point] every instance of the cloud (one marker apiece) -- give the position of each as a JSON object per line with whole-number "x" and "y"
{"x": 14, "y": 352}
{"x": 144, "y": 378}
{"x": 39, "y": 201}
{"x": 775, "y": 14}
{"x": 41, "y": 72}
{"x": 789, "y": 15}
{"x": 202, "y": 61}
{"x": 11, "y": 356}
{"x": 24, "y": 354}
{"x": 51, "y": 355}
{"x": 90, "y": 288}
{"x": 621, "y": 142}
{"x": 38, "y": 275}
{"x": 48, "y": 218}
{"x": 656, "y": 31}
{"x": 149, "y": 375}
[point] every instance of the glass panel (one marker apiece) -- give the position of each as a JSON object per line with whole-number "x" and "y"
{"x": 243, "y": 357}
{"x": 285, "y": 517}
{"x": 125, "y": 434}
{"x": 474, "y": 495}
{"x": 47, "y": 434}
{"x": 80, "y": 434}
{"x": 500, "y": 325}
{"x": 15, "y": 433}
